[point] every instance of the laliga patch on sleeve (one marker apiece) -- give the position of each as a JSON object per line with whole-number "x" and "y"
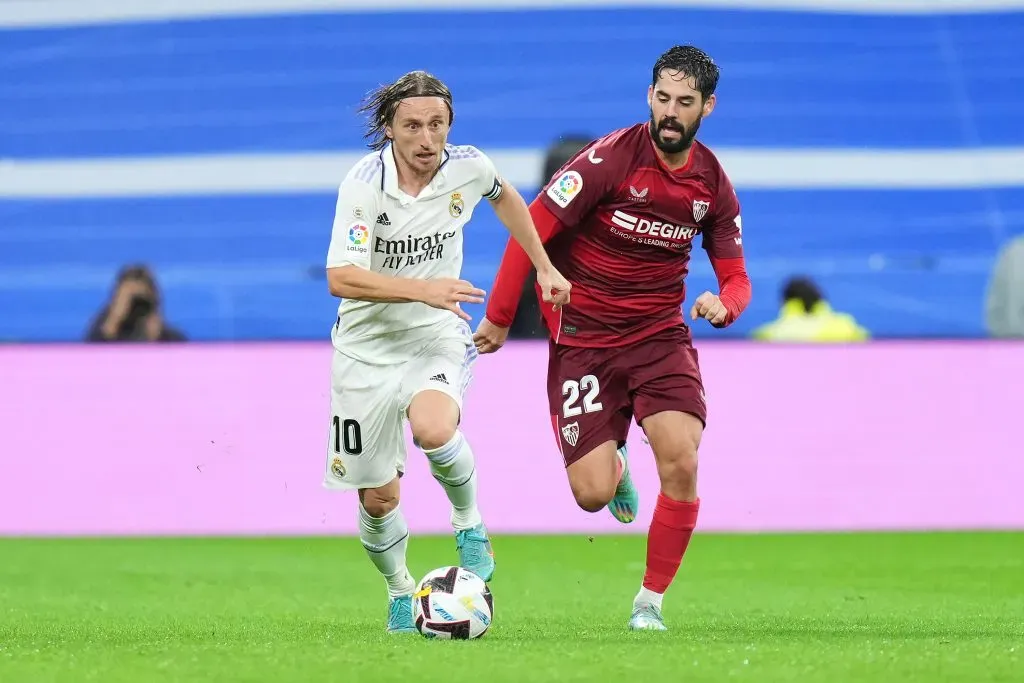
{"x": 565, "y": 189}
{"x": 358, "y": 239}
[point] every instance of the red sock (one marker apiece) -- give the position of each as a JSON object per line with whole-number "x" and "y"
{"x": 667, "y": 539}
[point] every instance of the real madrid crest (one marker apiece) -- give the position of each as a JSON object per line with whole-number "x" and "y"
{"x": 337, "y": 469}
{"x": 456, "y": 206}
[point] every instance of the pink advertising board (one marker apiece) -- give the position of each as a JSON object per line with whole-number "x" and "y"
{"x": 231, "y": 439}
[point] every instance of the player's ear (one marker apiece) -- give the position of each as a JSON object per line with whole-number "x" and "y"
{"x": 650, "y": 95}
{"x": 709, "y": 105}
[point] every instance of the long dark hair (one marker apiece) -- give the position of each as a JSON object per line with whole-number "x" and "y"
{"x": 382, "y": 103}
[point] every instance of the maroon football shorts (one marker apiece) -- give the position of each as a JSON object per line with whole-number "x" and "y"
{"x": 594, "y": 393}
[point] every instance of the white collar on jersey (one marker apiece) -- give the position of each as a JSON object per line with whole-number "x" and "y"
{"x": 389, "y": 177}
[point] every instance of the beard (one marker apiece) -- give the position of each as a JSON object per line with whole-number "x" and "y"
{"x": 682, "y": 143}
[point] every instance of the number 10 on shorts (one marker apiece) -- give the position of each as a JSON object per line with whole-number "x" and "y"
{"x": 348, "y": 436}
{"x": 589, "y": 388}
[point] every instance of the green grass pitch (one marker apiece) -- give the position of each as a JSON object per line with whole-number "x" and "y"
{"x": 836, "y": 608}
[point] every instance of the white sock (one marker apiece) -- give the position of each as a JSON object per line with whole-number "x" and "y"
{"x": 453, "y": 465}
{"x": 648, "y": 597}
{"x": 386, "y": 539}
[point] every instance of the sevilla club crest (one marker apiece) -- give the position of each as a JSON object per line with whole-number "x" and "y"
{"x": 700, "y": 208}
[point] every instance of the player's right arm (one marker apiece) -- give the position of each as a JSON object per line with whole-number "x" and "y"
{"x": 348, "y": 260}
{"x": 568, "y": 198}
{"x": 348, "y": 256}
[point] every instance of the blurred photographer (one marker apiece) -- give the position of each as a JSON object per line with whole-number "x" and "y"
{"x": 133, "y": 313}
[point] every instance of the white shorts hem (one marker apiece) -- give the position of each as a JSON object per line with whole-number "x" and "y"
{"x": 333, "y": 484}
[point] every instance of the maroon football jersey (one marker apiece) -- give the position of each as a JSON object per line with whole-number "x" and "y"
{"x": 629, "y": 224}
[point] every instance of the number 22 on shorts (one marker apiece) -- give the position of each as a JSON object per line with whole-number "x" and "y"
{"x": 589, "y": 388}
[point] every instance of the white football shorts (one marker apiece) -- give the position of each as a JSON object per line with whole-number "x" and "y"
{"x": 366, "y": 441}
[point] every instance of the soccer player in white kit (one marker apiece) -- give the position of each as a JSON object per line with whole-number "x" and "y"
{"x": 403, "y": 348}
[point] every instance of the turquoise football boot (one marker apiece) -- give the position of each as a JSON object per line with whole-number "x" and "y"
{"x": 626, "y": 503}
{"x": 400, "y": 615}
{"x": 475, "y": 553}
{"x": 646, "y": 617}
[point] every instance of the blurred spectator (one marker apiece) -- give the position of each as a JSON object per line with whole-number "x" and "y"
{"x": 528, "y": 323}
{"x": 1004, "y": 308}
{"x": 133, "y": 312}
{"x": 807, "y": 317}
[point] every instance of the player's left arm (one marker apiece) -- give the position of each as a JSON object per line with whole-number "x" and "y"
{"x": 512, "y": 211}
{"x": 723, "y": 241}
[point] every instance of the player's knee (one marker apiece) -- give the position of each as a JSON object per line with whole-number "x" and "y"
{"x": 593, "y": 501}
{"x": 433, "y": 419}
{"x": 677, "y": 469}
{"x": 593, "y": 494}
{"x": 378, "y": 503}
{"x": 676, "y": 455}
{"x": 432, "y": 435}
{"x": 593, "y": 478}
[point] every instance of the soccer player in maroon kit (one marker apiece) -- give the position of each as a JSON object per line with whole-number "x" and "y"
{"x": 619, "y": 221}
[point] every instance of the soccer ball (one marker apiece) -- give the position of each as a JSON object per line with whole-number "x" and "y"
{"x": 452, "y": 603}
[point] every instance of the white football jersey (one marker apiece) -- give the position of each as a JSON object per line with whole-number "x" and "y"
{"x": 379, "y": 227}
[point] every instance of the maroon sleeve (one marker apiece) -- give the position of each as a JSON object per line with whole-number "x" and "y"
{"x": 724, "y": 238}
{"x": 579, "y": 186}
{"x": 733, "y": 286}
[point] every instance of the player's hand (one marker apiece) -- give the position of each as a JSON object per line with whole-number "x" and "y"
{"x": 709, "y": 307}
{"x": 447, "y": 293}
{"x": 554, "y": 288}
{"x": 489, "y": 337}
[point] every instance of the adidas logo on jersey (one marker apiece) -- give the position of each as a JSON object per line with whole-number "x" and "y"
{"x": 439, "y": 378}
{"x": 383, "y": 219}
